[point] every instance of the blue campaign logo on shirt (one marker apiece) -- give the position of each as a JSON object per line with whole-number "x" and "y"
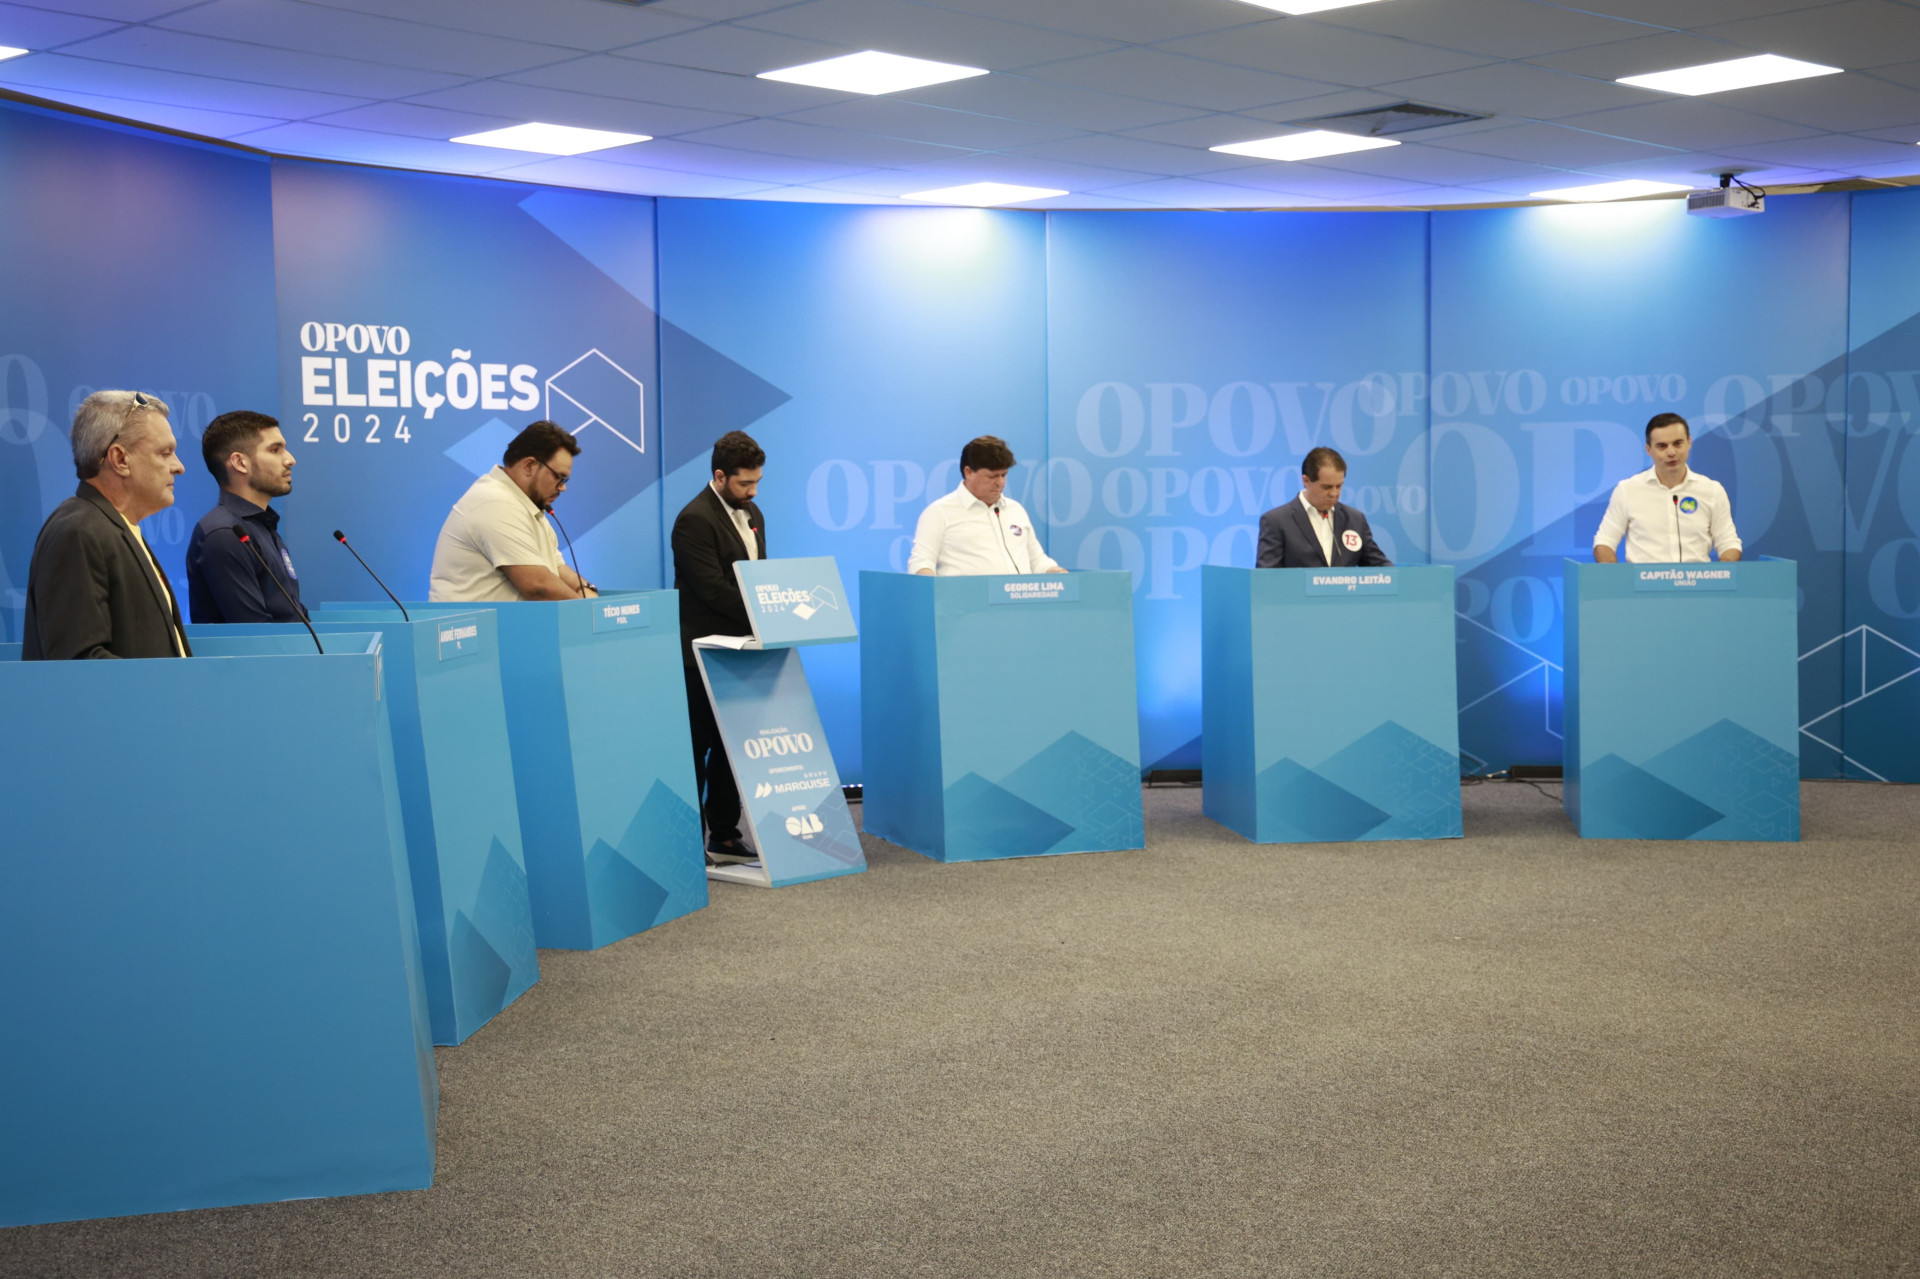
{"x": 1373, "y": 581}
{"x": 1688, "y": 505}
{"x": 1048, "y": 588}
{"x": 1686, "y": 577}
{"x": 287, "y": 560}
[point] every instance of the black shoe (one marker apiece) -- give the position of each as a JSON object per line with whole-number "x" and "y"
{"x": 730, "y": 852}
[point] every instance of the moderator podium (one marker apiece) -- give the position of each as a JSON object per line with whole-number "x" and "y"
{"x": 1683, "y": 700}
{"x": 999, "y": 715}
{"x": 1328, "y": 705}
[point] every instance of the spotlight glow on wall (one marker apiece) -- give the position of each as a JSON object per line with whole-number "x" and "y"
{"x": 1737, "y": 73}
{"x": 8, "y": 51}
{"x": 551, "y": 139}
{"x": 1307, "y": 6}
{"x": 1310, "y": 145}
{"x": 1625, "y": 190}
{"x": 873, "y": 72}
{"x": 983, "y": 195}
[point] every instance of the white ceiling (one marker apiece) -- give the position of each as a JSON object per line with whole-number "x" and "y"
{"x": 1115, "y": 101}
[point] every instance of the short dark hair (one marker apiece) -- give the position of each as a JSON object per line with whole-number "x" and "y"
{"x": 238, "y": 431}
{"x": 735, "y": 452}
{"x": 1318, "y": 460}
{"x": 540, "y": 441}
{"x": 988, "y": 453}
{"x": 1659, "y": 420}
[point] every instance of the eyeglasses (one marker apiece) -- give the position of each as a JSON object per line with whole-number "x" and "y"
{"x": 140, "y": 402}
{"x": 559, "y": 479}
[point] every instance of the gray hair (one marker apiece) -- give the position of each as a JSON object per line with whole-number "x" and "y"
{"x": 107, "y": 416}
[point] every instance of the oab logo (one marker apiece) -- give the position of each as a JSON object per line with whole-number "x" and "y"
{"x": 779, "y": 744}
{"x": 801, "y": 827}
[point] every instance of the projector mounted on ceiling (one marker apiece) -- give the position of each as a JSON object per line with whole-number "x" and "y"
{"x": 1731, "y": 199}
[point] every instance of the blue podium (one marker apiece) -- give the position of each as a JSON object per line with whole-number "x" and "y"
{"x": 1683, "y": 703}
{"x": 999, "y": 715}
{"x": 790, "y": 792}
{"x": 457, "y": 802}
{"x": 602, "y": 757}
{"x": 1328, "y": 703}
{"x": 213, "y": 989}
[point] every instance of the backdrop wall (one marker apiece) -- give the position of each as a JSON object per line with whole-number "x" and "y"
{"x": 1486, "y": 373}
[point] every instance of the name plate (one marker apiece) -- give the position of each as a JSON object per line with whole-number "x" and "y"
{"x": 1685, "y": 577}
{"x": 458, "y": 639}
{"x": 1368, "y": 581}
{"x": 1049, "y": 588}
{"x": 619, "y": 614}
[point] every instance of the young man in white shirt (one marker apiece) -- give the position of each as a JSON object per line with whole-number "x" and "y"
{"x": 1668, "y": 513}
{"x": 977, "y": 528}
{"x": 497, "y": 546}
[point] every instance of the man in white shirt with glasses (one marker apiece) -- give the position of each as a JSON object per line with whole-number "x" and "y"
{"x": 1668, "y": 513}
{"x": 977, "y": 529}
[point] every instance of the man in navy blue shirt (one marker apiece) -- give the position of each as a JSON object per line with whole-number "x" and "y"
{"x": 226, "y": 581}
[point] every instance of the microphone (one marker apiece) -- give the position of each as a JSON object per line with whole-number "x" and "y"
{"x": 247, "y": 541}
{"x": 341, "y": 538}
{"x": 1679, "y": 547}
{"x": 548, "y": 508}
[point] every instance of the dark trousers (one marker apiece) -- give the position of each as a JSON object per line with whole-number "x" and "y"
{"x": 712, "y": 774}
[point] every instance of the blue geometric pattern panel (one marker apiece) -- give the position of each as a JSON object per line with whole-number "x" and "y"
{"x": 1089, "y": 788}
{"x": 986, "y": 821}
{"x": 1754, "y": 783}
{"x": 1405, "y": 776}
{"x": 621, "y": 898}
{"x": 1298, "y": 805}
{"x": 664, "y": 839}
{"x": 496, "y": 933}
{"x": 1620, "y": 801}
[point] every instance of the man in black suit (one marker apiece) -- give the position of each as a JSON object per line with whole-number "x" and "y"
{"x": 93, "y": 587}
{"x": 1318, "y": 530}
{"x": 715, "y": 529}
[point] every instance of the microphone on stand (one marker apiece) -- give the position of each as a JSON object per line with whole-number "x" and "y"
{"x": 570, "y": 551}
{"x": 246, "y": 540}
{"x": 341, "y": 538}
{"x": 1679, "y": 546}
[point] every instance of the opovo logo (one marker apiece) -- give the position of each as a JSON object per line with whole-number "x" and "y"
{"x": 778, "y": 744}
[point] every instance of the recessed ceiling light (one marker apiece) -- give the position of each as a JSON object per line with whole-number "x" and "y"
{"x": 551, "y": 139}
{"x": 873, "y": 72}
{"x": 1310, "y": 145}
{"x": 984, "y": 194}
{"x": 1738, "y": 73}
{"x": 1307, "y": 6}
{"x": 8, "y": 51}
{"x": 1626, "y": 190}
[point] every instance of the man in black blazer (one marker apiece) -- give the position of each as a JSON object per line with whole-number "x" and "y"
{"x": 715, "y": 529}
{"x": 94, "y": 589}
{"x": 1318, "y": 530}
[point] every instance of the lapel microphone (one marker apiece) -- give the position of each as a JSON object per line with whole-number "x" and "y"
{"x": 341, "y": 538}
{"x": 247, "y": 541}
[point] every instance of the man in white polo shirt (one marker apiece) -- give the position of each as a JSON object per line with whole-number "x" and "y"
{"x": 977, "y": 528}
{"x": 1668, "y": 513}
{"x": 497, "y": 545}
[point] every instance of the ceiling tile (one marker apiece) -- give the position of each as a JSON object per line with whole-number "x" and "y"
{"x": 584, "y": 110}
{"x": 1112, "y": 151}
{"x": 718, "y": 10}
{"x": 925, "y": 31}
{"x": 1189, "y": 193}
{"x": 1326, "y": 104}
{"x": 815, "y": 195}
{"x": 1132, "y": 21}
{"x": 283, "y": 24}
{"x": 1834, "y": 151}
{"x": 1553, "y": 145}
{"x": 25, "y": 28}
{"x": 1860, "y": 33}
{"x": 144, "y": 84}
{"x": 1312, "y": 179}
{"x": 1845, "y": 104}
{"x": 1688, "y": 124}
{"x": 573, "y": 24}
{"x": 204, "y": 55}
{"x": 1316, "y": 51}
{"x": 1662, "y": 52}
{"x": 734, "y": 50}
{"x": 208, "y": 124}
{"x": 809, "y": 141}
{"x": 1906, "y": 133}
{"x": 1694, "y": 13}
{"x": 601, "y": 175}
{"x": 1495, "y": 28}
{"x": 415, "y": 121}
{"x": 1513, "y": 88}
{"x": 1020, "y": 98}
{"x": 1171, "y": 77}
{"x": 332, "y": 143}
{"x": 1907, "y": 73}
{"x": 727, "y": 162}
{"x": 891, "y": 118}
{"x": 988, "y": 166}
{"x": 1205, "y": 131}
{"x": 1414, "y": 163}
{"x": 620, "y": 77}
{"x": 120, "y": 10}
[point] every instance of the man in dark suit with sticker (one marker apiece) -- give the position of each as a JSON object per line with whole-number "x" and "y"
{"x": 1318, "y": 530}
{"x": 94, "y": 589}
{"x": 717, "y": 528}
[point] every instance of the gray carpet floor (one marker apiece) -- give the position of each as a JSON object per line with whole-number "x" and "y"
{"x": 1513, "y": 1054}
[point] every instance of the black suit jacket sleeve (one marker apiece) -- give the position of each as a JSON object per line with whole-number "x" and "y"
{"x": 1371, "y": 556}
{"x": 70, "y": 590}
{"x": 1273, "y": 542}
